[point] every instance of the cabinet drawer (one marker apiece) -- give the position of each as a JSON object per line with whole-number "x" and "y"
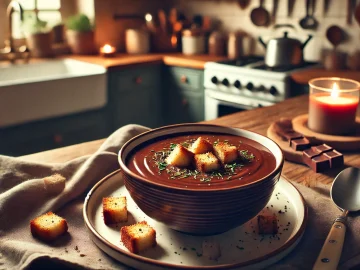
{"x": 135, "y": 78}
{"x": 186, "y": 78}
{"x": 53, "y": 133}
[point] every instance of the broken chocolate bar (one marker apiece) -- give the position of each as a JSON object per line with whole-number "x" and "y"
{"x": 322, "y": 157}
{"x": 322, "y": 148}
{"x": 336, "y": 158}
{"x": 292, "y": 135}
{"x": 300, "y": 144}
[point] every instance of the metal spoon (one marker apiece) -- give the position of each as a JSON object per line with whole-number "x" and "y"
{"x": 345, "y": 193}
{"x": 309, "y": 21}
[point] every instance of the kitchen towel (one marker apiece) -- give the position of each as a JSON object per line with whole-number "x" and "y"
{"x": 29, "y": 189}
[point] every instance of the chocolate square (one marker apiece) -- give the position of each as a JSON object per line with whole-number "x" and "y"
{"x": 310, "y": 153}
{"x": 322, "y": 148}
{"x": 336, "y": 158}
{"x": 320, "y": 163}
{"x": 300, "y": 144}
{"x": 292, "y": 135}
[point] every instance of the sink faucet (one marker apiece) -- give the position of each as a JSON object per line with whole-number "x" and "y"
{"x": 10, "y": 51}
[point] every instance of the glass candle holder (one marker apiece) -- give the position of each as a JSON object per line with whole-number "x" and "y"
{"x": 333, "y": 104}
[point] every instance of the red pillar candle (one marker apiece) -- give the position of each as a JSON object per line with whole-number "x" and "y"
{"x": 333, "y": 112}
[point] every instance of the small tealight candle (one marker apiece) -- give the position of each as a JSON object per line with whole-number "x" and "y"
{"x": 107, "y": 50}
{"x": 332, "y": 105}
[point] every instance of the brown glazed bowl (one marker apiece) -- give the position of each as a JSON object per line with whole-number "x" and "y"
{"x": 199, "y": 211}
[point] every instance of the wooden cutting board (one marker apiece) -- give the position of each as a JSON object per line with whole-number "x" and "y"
{"x": 340, "y": 143}
{"x": 289, "y": 153}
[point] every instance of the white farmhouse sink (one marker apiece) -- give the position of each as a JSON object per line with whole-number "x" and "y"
{"x": 51, "y": 88}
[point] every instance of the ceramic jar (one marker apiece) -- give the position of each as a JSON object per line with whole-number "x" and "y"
{"x": 137, "y": 41}
{"x": 193, "y": 41}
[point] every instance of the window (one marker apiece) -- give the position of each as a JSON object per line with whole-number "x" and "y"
{"x": 44, "y": 10}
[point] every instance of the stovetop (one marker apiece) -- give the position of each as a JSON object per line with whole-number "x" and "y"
{"x": 257, "y": 62}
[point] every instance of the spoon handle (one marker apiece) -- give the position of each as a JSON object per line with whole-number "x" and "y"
{"x": 331, "y": 251}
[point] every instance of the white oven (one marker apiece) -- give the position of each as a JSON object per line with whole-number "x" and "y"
{"x": 218, "y": 104}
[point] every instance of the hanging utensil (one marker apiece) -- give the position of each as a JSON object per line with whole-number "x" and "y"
{"x": 309, "y": 21}
{"x": 260, "y": 16}
{"x": 243, "y": 3}
{"x": 350, "y": 11}
{"x": 290, "y": 7}
{"x": 274, "y": 10}
{"x": 357, "y": 14}
{"x": 345, "y": 193}
{"x": 335, "y": 35}
{"x": 326, "y": 6}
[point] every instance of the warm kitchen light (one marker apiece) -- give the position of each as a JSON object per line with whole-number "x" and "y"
{"x": 107, "y": 50}
{"x": 332, "y": 105}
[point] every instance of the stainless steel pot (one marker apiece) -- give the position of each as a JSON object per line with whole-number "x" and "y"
{"x": 284, "y": 51}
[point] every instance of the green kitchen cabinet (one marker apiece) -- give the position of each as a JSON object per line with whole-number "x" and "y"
{"x": 183, "y": 93}
{"x": 53, "y": 133}
{"x": 135, "y": 96}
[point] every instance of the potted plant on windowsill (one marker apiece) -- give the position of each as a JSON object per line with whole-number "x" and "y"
{"x": 80, "y": 34}
{"x": 38, "y": 37}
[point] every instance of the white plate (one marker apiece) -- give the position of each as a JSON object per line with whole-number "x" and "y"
{"x": 240, "y": 247}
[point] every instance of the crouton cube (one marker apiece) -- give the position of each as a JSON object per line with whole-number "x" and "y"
{"x": 114, "y": 210}
{"x": 201, "y": 146}
{"x": 267, "y": 224}
{"x": 48, "y": 227}
{"x": 207, "y": 162}
{"x": 211, "y": 249}
{"x": 180, "y": 157}
{"x": 225, "y": 152}
{"x": 138, "y": 237}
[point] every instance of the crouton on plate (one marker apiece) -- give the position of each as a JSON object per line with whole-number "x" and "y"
{"x": 48, "y": 227}
{"x": 114, "y": 210}
{"x": 138, "y": 237}
{"x": 207, "y": 162}
{"x": 267, "y": 224}
{"x": 225, "y": 152}
{"x": 201, "y": 146}
{"x": 180, "y": 157}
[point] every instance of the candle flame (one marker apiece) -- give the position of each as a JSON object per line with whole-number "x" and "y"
{"x": 107, "y": 48}
{"x": 335, "y": 91}
{"x": 148, "y": 17}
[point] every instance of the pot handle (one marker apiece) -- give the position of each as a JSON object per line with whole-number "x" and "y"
{"x": 306, "y": 42}
{"x": 262, "y": 42}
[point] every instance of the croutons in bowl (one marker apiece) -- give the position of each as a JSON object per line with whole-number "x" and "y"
{"x": 201, "y": 178}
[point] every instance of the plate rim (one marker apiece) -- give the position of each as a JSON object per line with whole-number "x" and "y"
{"x": 297, "y": 236}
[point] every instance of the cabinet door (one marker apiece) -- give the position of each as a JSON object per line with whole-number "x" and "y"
{"x": 141, "y": 106}
{"x": 134, "y": 96}
{"x": 183, "y": 92}
{"x": 183, "y": 106}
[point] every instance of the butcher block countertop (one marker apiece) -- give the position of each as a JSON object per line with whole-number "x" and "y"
{"x": 172, "y": 59}
{"x": 304, "y": 76}
{"x": 257, "y": 120}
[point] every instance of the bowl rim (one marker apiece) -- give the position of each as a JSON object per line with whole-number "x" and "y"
{"x": 121, "y": 160}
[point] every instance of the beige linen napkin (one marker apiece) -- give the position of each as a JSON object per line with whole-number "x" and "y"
{"x": 23, "y": 196}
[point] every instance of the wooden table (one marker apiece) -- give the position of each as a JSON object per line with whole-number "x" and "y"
{"x": 257, "y": 120}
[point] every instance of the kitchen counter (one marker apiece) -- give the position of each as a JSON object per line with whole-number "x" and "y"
{"x": 171, "y": 59}
{"x": 257, "y": 120}
{"x": 304, "y": 76}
